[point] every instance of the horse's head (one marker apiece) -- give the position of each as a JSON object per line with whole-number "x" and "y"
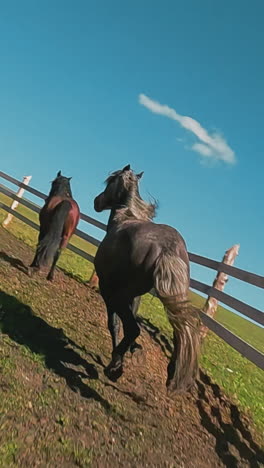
{"x": 61, "y": 186}
{"x": 119, "y": 186}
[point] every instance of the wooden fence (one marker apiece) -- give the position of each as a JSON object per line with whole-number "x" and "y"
{"x": 233, "y": 340}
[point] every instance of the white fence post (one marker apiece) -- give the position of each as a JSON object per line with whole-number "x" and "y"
{"x": 15, "y": 203}
{"x": 219, "y": 283}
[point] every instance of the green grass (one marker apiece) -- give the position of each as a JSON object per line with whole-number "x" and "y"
{"x": 7, "y": 453}
{"x": 241, "y": 380}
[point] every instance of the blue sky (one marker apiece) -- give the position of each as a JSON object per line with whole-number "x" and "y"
{"x": 78, "y": 86}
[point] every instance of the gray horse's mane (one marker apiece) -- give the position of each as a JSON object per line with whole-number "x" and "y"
{"x": 136, "y": 207}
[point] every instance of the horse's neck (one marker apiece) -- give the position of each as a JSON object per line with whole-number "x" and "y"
{"x": 111, "y": 220}
{"x": 118, "y": 217}
{"x": 64, "y": 193}
{"x": 129, "y": 211}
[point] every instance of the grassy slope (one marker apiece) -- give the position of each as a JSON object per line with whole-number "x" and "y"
{"x": 241, "y": 379}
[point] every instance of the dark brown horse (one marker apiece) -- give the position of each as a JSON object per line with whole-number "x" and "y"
{"x": 58, "y": 220}
{"x": 135, "y": 256}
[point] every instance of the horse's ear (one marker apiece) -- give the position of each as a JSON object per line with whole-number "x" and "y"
{"x": 126, "y": 168}
{"x": 140, "y": 175}
{"x": 69, "y": 178}
{"x": 59, "y": 174}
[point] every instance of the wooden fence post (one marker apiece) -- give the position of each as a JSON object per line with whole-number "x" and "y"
{"x": 219, "y": 283}
{"x": 15, "y": 203}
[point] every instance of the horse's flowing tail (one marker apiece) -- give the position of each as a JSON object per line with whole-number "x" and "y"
{"x": 50, "y": 243}
{"x": 171, "y": 279}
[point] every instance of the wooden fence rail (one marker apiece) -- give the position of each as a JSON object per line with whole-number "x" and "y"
{"x": 237, "y": 343}
{"x": 233, "y": 340}
{"x": 240, "y": 306}
{"x": 39, "y": 194}
{"x": 242, "y": 275}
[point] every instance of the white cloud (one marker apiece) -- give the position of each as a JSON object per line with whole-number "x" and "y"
{"x": 209, "y": 145}
{"x": 204, "y": 150}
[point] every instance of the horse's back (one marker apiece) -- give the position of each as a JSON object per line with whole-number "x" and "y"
{"x": 165, "y": 235}
{"x": 53, "y": 204}
{"x": 136, "y": 247}
{"x": 153, "y": 239}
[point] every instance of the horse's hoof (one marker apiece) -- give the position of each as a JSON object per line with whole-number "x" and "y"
{"x": 135, "y": 347}
{"x": 138, "y": 357}
{"x": 31, "y": 270}
{"x": 114, "y": 371}
{"x": 171, "y": 393}
{"x": 171, "y": 389}
{"x": 50, "y": 278}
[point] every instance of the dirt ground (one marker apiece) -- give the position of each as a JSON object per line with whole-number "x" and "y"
{"x": 57, "y": 408}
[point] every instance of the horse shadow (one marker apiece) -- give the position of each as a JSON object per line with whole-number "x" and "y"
{"x": 14, "y": 262}
{"x": 234, "y": 434}
{"x": 19, "y": 265}
{"x": 18, "y": 321}
{"x": 156, "y": 335}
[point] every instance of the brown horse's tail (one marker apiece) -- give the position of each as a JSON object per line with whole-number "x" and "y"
{"x": 49, "y": 244}
{"x": 171, "y": 279}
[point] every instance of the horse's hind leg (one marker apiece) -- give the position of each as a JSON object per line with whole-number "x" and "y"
{"x": 135, "y": 306}
{"x": 113, "y": 326}
{"x": 131, "y": 331}
{"x": 136, "y": 303}
{"x": 34, "y": 266}
{"x": 50, "y": 276}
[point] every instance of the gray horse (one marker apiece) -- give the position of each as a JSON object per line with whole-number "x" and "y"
{"x": 135, "y": 256}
